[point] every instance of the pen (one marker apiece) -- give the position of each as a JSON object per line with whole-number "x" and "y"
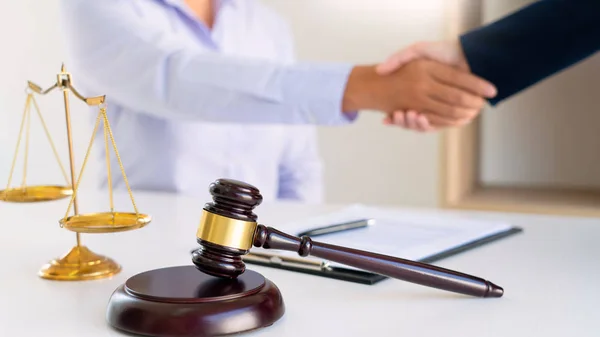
{"x": 344, "y": 226}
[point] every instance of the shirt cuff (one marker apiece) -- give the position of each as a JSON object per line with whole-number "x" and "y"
{"x": 316, "y": 91}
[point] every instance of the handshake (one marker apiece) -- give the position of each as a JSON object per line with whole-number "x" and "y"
{"x": 424, "y": 87}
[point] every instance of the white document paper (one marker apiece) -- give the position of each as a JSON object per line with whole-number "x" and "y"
{"x": 406, "y": 234}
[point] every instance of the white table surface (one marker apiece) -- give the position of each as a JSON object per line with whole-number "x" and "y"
{"x": 550, "y": 274}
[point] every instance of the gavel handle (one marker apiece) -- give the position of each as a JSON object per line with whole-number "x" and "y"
{"x": 406, "y": 270}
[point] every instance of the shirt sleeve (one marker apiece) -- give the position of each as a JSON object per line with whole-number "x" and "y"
{"x": 533, "y": 43}
{"x": 137, "y": 66}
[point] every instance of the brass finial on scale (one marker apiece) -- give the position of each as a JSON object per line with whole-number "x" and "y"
{"x": 80, "y": 263}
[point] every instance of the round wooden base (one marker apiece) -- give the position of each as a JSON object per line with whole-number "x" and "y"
{"x": 183, "y": 301}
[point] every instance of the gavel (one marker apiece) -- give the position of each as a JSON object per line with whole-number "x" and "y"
{"x": 229, "y": 229}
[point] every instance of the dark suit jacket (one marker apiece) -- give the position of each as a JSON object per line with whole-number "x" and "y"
{"x": 533, "y": 43}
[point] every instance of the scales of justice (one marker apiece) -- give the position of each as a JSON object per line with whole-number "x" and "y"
{"x": 79, "y": 263}
{"x": 215, "y": 294}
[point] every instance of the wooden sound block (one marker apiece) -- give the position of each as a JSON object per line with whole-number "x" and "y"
{"x": 183, "y": 301}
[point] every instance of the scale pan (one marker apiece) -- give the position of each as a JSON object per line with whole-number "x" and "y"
{"x": 35, "y": 193}
{"x": 109, "y": 222}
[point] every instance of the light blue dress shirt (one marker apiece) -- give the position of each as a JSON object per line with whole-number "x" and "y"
{"x": 188, "y": 104}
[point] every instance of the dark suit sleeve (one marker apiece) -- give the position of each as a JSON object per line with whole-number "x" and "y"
{"x": 533, "y": 43}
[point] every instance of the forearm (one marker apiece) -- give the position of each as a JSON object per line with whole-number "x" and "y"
{"x": 533, "y": 43}
{"x": 366, "y": 90}
{"x": 213, "y": 88}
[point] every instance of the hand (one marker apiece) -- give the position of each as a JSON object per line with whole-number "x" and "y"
{"x": 412, "y": 120}
{"x": 446, "y": 95}
{"x": 447, "y": 52}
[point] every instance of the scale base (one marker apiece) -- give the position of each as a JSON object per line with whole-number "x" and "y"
{"x": 79, "y": 264}
{"x": 183, "y": 301}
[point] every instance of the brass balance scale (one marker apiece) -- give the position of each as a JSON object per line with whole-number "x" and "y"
{"x": 80, "y": 263}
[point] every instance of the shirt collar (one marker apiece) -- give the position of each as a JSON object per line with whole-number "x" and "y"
{"x": 182, "y": 5}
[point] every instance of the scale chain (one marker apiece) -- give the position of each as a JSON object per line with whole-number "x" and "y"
{"x": 107, "y": 134}
{"x": 108, "y": 171}
{"x": 112, "y": 138}
{"x": 26, "y": 157}
{"x": 12, "y": 168}
{"x": 87, "y": 154}
{"x": 26, "y": 122}
{"x": 62, "y": 168}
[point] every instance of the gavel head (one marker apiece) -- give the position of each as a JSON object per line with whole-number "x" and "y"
{"x": 227, "y": 228}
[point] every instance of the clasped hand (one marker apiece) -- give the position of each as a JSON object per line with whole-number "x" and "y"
{"x": 442, "y": 91}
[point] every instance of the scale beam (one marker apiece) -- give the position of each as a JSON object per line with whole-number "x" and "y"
{"x": 64, "y": 82}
